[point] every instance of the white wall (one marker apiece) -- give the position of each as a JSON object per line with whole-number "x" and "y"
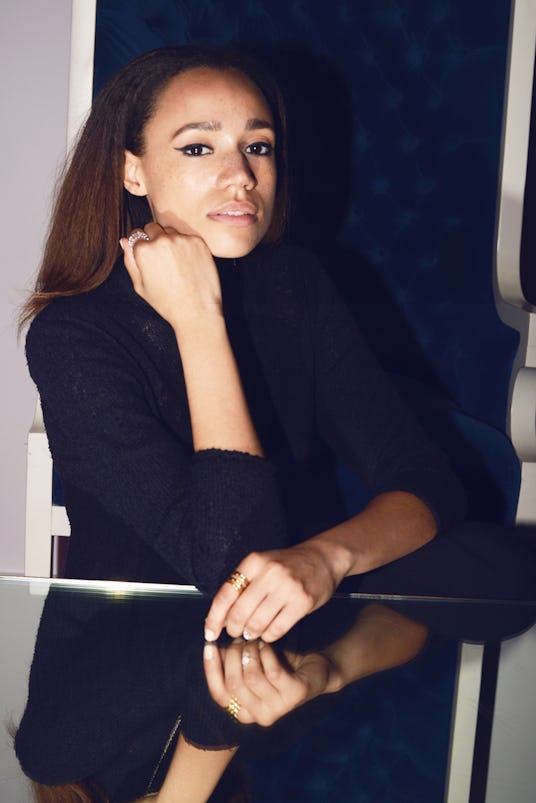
{"x": 20, "y": 612}
{"x": 34, "y": 61}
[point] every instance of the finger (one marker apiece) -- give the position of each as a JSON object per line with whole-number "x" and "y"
{"x": 154, "y": 229}
{"x": 245, "y": 677}
{"x": 212, "y": 664}
{"x": 265, "y": 582}
{"x": 263, "y": 663}
{"x": 255, "y": 621}
{"x": 292, "y": 688}
{"x": 130, "y": 263}
{"x": 287, "y": 617}
{"x": 222, "y": 603}
{"x": 233, "y": 670}
{"x": 276, "y": 690}
{"x": 232, "y": 686}
{"x": 243, "y": 671}
{"x": 253, "y": 673}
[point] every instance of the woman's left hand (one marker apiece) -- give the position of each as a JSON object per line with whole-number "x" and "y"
{"x": 254, "y": 684}
{"x": 284, "y": 586}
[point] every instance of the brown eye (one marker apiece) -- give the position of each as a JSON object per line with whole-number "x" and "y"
{"x": 260, "y": 149}
{"x": 196, "y": 149}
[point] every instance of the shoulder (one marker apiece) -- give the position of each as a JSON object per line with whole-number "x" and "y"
{"x": 116, "y": 291}
{"x": 95, "y": 326}
{"x": 112, "y": 309}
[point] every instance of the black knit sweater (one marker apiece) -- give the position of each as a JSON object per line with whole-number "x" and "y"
{"x": 142, "y": 504}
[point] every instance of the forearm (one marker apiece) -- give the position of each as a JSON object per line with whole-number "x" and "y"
{"x": 193, "y": 773}
{"x": 177, "y": 276}
{"x": 381, "y": 639}
{"x": 218, "y": 409}
{"x": 392, "y": 525}
{"x": 306, "y": 575}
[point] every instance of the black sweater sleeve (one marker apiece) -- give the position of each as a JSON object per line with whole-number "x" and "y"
{"x": 110, "y": 416}
{"x": 361, "y": 416}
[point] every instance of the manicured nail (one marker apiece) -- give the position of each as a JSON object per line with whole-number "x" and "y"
{"x": 208, "y": 652}
{"x": 209, "y": 635}
{"x": 246, "y": 658}
{"x": 247, "y": 635}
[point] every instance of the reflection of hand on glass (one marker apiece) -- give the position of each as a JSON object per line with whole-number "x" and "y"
{"x": 258, "y": 685}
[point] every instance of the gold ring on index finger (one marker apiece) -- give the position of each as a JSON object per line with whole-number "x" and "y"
{"x": 238, "y": 581}
{"x": 233, "y": 708}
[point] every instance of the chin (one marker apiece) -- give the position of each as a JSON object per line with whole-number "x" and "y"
{"x": 232, "y": 250}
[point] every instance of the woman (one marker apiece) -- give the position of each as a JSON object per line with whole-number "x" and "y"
{"x": 184, "y": 396}
{"x": 194, "y": 371}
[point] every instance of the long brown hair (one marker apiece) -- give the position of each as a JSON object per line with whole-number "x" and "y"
{"x": 232, "y": 788}
{"x": 92, "y": 209}
{"x": 83, "y": 792}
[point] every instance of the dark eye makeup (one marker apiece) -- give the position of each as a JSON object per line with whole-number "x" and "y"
{"x": 260, "y": 149}
{"x": 254, "y": 149}
{"x": 195, "y": 149}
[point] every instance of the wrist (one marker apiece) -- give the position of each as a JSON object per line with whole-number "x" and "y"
{"x": 336, "y": 556}
{"x": 200, "y": 327}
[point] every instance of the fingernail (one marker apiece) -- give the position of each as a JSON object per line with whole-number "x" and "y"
{"x": 247, "y": 635}
{"x": 209, "y": 635}
{"x": 246, "y": 658}
{"x": 208, "y": 652}
{"x": 121, "y": 244}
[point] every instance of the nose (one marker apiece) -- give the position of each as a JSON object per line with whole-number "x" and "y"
{"x": 236, "y": 171}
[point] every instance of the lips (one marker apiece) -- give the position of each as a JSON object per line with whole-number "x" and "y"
{"x": 235, "y": 214}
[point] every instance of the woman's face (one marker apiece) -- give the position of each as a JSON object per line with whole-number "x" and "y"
{"x": 208, "y": 166}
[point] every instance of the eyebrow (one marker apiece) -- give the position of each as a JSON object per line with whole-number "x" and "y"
{"x": 253, "y": 124}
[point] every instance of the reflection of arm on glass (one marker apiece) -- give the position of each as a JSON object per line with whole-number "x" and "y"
{"x": 266, "y": 685}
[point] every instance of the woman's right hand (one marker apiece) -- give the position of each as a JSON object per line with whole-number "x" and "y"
{"x": 175, "y": 274}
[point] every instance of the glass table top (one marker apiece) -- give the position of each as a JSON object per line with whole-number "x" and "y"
{"x": 377, "y": 697}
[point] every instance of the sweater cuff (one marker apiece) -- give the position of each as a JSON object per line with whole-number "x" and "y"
{"x": 238, "y": 510}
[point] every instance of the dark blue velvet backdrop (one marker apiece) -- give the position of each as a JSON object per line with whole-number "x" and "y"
{"x": 398, "y": 106}
{"x": 395, "y": 124}
{"x": 395, "y": 113}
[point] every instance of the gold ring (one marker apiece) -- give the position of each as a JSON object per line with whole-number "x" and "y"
{"x": 238, "y": 581}
{"x": 233, "y": 708}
